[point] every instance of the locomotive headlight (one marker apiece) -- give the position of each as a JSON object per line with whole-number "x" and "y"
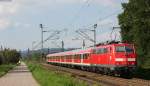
{"x": 119, "y": 59}
{"x": 131, "y": 59}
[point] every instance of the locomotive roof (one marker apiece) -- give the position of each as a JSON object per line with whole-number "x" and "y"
{"x": 83, "y": 51}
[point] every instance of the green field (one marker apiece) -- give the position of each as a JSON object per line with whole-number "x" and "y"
{"x": 46, "y": 77}
{"x": 5, "y": 68}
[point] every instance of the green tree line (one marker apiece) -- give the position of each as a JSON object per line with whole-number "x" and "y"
{"x": 135, "y": 28}
{"x": 8, "y": 56}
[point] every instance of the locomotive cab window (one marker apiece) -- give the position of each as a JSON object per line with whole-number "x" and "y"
{"x": 128, "y": 49}
{"x": 123, "y": 49}
{"x": 101, "y": 50}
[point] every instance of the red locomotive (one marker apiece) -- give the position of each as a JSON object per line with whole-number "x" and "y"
{"x": 115, "y": 58}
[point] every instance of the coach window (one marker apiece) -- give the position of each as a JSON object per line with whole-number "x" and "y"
{"x": 77, "y": 56}
{"x": 66, "y": 57}
{"x": 56, "y": 57}
{"x": 85, "y": 56}
{"x": 74, "y": 56}
{"x": 69, "y": 56}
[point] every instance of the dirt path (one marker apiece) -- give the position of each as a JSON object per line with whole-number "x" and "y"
{"x": 19, "y": 76}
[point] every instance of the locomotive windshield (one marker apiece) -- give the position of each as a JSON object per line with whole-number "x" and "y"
{"x": 123, "y": 49}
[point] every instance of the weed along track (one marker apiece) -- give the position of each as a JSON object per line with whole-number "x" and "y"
{"x": 98, "y": 79}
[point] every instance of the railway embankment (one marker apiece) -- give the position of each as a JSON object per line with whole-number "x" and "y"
{"x": 47, "y": 77}
{"x": 103, "y": 80}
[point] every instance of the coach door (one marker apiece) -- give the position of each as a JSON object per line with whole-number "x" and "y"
{"x": 109, "y": 55}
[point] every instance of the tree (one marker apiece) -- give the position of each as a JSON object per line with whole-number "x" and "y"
{"x": 9, "y": 56}
{"x": 135, "y": 27}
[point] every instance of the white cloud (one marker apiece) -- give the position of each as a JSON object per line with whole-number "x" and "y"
{"x": 9, "y": 8}
{"x": 4, "y": 23}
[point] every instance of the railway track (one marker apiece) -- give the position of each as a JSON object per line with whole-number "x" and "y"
{"x": 99, "y": 79}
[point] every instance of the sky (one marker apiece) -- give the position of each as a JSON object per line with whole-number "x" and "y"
{"x": 20, "y": 19}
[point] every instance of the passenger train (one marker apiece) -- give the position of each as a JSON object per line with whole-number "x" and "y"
{"x": 112, "y": 58}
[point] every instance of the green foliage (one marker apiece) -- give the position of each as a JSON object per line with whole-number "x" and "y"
{"x": 5, "y": 68}
{"x": 143, "y": 73}
{"x": 46, "y": 77}
{"x": 8, "y": 56}
{"x": 135, "y": 28}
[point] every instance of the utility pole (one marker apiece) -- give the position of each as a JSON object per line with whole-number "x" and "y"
{"x": 62, "y": 45}
{"x": 41, "y": 26}
{"x": 87, "y": 37}
{"x": 48, "y": 51}
{"x": 83, "y": 44}
{"x": 95, "y": 26}
{"x": 42, "y": 53}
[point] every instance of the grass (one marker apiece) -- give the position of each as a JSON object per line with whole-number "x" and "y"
{"x": 46, "y": 77}
{"x": 4, "y": 68}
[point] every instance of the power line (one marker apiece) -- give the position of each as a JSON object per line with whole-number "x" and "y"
{"x": 102, "y": 19}
{"x": 79, "y": 11}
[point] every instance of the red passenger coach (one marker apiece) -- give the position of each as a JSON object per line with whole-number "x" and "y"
{"x": 116, "y": 58}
